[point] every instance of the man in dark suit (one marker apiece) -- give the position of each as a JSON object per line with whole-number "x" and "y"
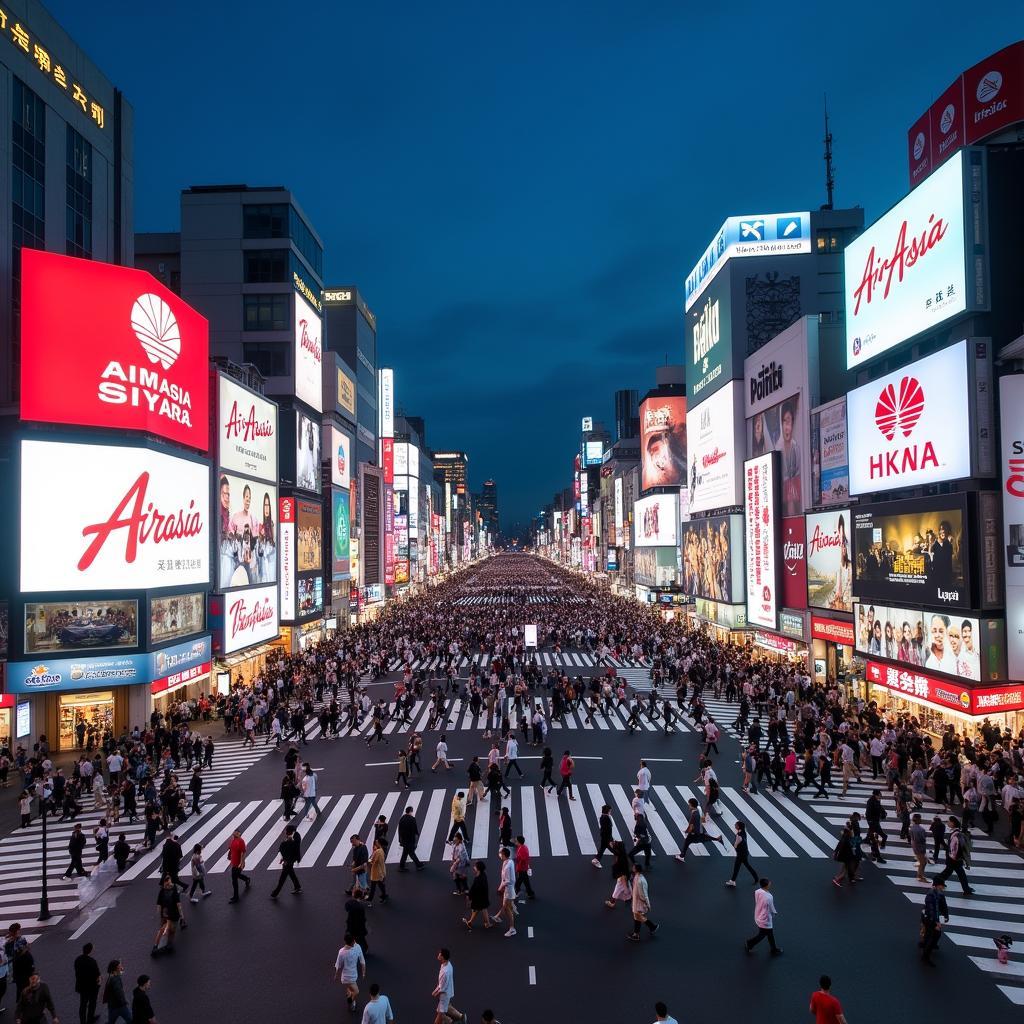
{"x": 291, "y": 853}
{"x": 87, "y": 984}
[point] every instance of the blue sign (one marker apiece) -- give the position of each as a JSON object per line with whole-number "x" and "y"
{"x": 48, "y": 675}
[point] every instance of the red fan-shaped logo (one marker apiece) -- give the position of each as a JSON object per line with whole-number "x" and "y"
{"x": 899, "y": 410}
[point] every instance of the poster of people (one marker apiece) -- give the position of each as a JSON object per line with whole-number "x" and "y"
{"x": 713, "y": 558}
{"x": 309, "y": 527}
{"x": 830, "y": 457}
{"x": 246, "y": 532}
{"x": 776, "y": 430}
{"x": 829, "y": 561}
{"x": 307, "y": 452}
{"x": 80, "y": 625}
{"x": 663, "y": 441}
{"x": 180, "y": 615}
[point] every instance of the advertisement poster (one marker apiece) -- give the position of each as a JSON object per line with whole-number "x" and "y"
{"x": 309, "y": 355}
{"x": 247, "y": 431}
{"x": 832, "y": 460}
{"x": 761, "y": 522}
{"x": 346, "y": 392}
{"x": 794, "y": 563}
{"x": 131, "y": 354}
{"x": 714, "y": 434}
{"x": 594, "y": 452}
{"x": 911, "y": 427}
{"x": 976, "y": 701}
{"x": 913, "y": 551}
{"x": 80, "y": 625}
{"x": 656, "y": 520}
{"x": 179, "y": 615}
{"x": 250, "y": 617}
{"x": 662, "y": 443}
{"x": 1011, "y": 423}
{"x": 132, "y": 518}
{"x": 370, "y": 538}
{"x": 287, "y": 507}
{"x": 712, "y": 552}
{"x": 339, "y": 453}
{"x": 340, "y": 534}
{"x": 655, "y": 567}
{"x": 246, "y": 532}
{"x": 712, "y": 348}
{"x": 907, "y": 273}
{"x": 309, "y": 531}
{"x": 307, "y": 452}
{"x": 829, "y": 561}
{"x": 311, "y": 595}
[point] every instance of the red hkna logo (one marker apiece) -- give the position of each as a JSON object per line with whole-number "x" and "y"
{"x": 897, "y": 411}
{"x": 111, "y": 347}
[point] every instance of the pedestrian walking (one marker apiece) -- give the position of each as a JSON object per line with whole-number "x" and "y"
{"x": 445, "y": 990}
{"x": 76, "y": 847}
{"x": 825, "y": 1007}
{"x": 195, "y": 787}
{"x": 479, "y": 897}
{"x": 408, "y": 836}
{"x": 236, "y": 858}
{"x": 662, "y": 1016}
{"x": 198, "y": 865}
{"x": 846, "y": 856}
{"x": 289, "y": 794}
{"x": 170, "y": 860}
{"x": 622, "y": 891}
{"x": 378, "y": 874}
{"x": 378, "y": 1008}
{"x": 512, "y": 756}
{"x": 35, "y": 1002}
{"x": 168, "y": 902}
{"x": 441, "y": 750}
{"x": 459, "y": 869}
{"x": 523, "y": 868}
{"x": 919, "y": 845}
{"x": 604, "y": 829}
{"x": 122, "y": 853}
{"x": 764, "y": 918}
{"x": 349, "y": 967}
{"x": 695, "y": 831}
{"x": 290, "y": 852}
{"x": 641, "y": 839}
{"x": 402, "y": 769}
{"x": 114, "y": 997}
{"x": 309, "y": 784}
{"x": 641, "y": 903}
{"x": 566, "y": 768}
{"x": 742, "y": 852}
{"x": 935, "y": 908}
{"x": 506, "y": 890}
{"x": 142, "y": 1007}
{"x": 360, "y": 860}
{"x": 459, "y": 817}
{"x": 958, "y": 851}
{"x": 87, "y": 984}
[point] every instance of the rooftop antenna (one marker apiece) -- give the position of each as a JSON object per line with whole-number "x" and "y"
{"x": 830, "y": 178}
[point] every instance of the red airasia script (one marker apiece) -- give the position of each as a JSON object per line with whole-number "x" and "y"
{"x": 247, "y": 426}
{"x": 144, "y": 523}
{"x": 244, "y": 619}
{"x": 821, "y": 540}
{"x": 878, "y": 270}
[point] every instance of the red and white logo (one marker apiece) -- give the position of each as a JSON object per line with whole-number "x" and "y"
{"x": 109, "y": 346}
{"x": 899, "y": 411}
{"x": 251, "y": 617}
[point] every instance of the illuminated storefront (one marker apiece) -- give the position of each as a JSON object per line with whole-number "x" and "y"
{"x": 832, "y": 644}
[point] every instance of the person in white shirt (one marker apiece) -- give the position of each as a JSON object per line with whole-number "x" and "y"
{"x": 378, "y": 1009}
{"x": 445, "y": 990}
{"x": 512, "y": 756}
{"x": 643, "y": 781}
{"x": 309, "y": 792}
{"x": 764, "y": 918}
{"x": 442, "y": 754}
{"x": 507, "y": 891}
{"x": 661, "y": 1015}
{"x": 347, "y": 968}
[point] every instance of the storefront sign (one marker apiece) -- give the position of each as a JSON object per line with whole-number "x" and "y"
{"x": 793, "y": 625}
{"x": 67, "y": 674}
{"x": 107, "y": 346}
{"x": 777, "y": 643}
{"x": 246, "y": 431}
{"x": 179, "y": 679}
{"x": 288, "y": 516}
{"x": 835, "y": 630}
{"x": 731, "y": 616}
{"x": 250, "y": 617}
{"x": 976, "y": 701}
{"x": 109, "y": 517}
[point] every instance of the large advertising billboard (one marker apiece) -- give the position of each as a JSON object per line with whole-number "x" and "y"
{"x": 830, "y": 458}
{"x": 175, "y": 616}
{"x": 309, "y": 536}
{"x": 250, "y": 617}
{"x": 714, "y": 435}
{"x": 307, "y": 452}
{"x": 247, "y": 431}
{"x": 974, "y": 700}
{"x": 912, "y": 427}
{"x": 619, "y": 513}
{"x": 370, "y": 537}
{"x": 340, "y": 533}
{"x": 830, "y": 560}
{"x": 246, "y": 532}
{"x": 109, "y": 517}
{"x": 1011, "y": 433}
{"x": 107, "y": 346}
{"x": 656, "y": 521}
{"x": 712, "y": 553}
{"x": 959, "y": 645}
{"x": 338, "y": 447}
{"x": 913, "y": 551}
{"x": 708, "y": 342}
{"x": 346, "y": 392}
{"x": 761, "y": 533}
{"x": 311, "y": 595}
{"x": 387, "y": 402}
{"x": 654, "y": 567}
{"x": 662, "y": 442}
{"x": 908, "y": 272}
{"x": 762, "y": 234}
{"x": 309, "y": 355}
{"x": 288, "y": 559}
{"x": 593, "y": 452}
{"x": 794, "y": 563}
{"x": 65, "y": 626}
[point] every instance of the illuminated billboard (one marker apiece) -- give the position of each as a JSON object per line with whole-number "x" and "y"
{"x": 340, "y": 533}
{"x": 250, "y": 617}
{"x": 712, "y": 553}
{"x": 715, "y": 439}
{"x": 830, "y": 560}
{"x": 176, "y": 616}
{"x": 309, "y": 355}
{"x": 309, "y": 534}
{"x": 663, "y": 441}
{"x": 65, "y": 626}
{"x": 307, "y": 452}
{"x": 246, "y": 532}
{"x": 656, "y": 520}
{"x": 247, "y": 426}
{"x": 761, "y": 519}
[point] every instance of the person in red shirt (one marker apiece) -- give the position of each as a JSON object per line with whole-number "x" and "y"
{"x": 236, "y": 858}
{"x": 522, "y": 862}
{"x": 824, "y": 1005}
{"x": 567, "y": 767}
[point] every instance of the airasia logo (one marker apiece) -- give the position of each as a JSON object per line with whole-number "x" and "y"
{"x": 712, "y": 458}
{"x": 899, "y": 411}
{"x": 821, "y": 541}
{"x": 246, "y": 426}
{"x": 245, "y": 619}
{"x": 143, "y": 523}
{"x": 880, "y": 270}
{"x": 309, "y": 343}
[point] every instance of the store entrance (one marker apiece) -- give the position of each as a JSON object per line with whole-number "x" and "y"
{"x": 84, "y": 717}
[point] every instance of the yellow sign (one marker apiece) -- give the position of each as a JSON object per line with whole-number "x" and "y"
{"x": 346, "y": 392}
{"x": 21, "y": 38}
{"x": 303, "y": 289}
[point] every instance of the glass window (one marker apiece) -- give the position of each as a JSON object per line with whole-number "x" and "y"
{"x": 266, "y": 312}
{"x": 267, "y": 220}
{"x": 78, "y": 211}
{"x": 307, "y": 244}
{"x": 269, "y": 357}
{"x": 265, "y": 266}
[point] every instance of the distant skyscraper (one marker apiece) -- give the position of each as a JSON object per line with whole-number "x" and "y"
{"x": 488, "y": 506}
{"x": 627, "y": 414}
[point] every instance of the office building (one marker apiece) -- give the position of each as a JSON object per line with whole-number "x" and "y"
{"x": 627, "y": 414}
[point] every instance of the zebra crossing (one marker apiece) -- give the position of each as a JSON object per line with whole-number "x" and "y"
{"x": 552, "y": 826}
{"x": 495, "y": 600}
{"x": 571, "y": 660}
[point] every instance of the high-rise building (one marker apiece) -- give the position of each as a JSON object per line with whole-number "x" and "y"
{"x": 627, "y": 414}
{"x": 487, "y": 506}
{"x": 68, "y": 167}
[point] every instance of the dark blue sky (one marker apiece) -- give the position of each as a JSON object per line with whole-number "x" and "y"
{"x": 519, "y": 190}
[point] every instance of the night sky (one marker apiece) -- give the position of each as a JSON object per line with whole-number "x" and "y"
{"x": 519, "y": 190}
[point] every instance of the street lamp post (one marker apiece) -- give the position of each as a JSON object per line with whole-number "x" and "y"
{"x": 44, "y": 896}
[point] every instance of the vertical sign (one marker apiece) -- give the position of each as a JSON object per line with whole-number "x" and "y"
{"x": 618, "y": 511}
{"x": 1011, "y": 432}
{"x": 761, "y": 509}
{"x": 387, "y": 403}
{"x": 389, "y": 535}
{"x": 287, "y": 520}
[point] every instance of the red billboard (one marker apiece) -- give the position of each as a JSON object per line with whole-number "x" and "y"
{"x": 946, "y": 693}
{"x": 794, "y": 563}
{"x": 387, "y": 458}
{"x": 836, "y": 630}
{"x": 107, "y": 346}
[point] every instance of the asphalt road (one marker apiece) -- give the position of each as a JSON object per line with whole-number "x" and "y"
{"x": 266, "y": 960}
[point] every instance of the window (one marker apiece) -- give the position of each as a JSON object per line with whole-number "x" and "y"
{"x": 826, "y": 241}
{"x": 28, "y": 157}
{"x": 78, "y": 211}
{"x": 269, "y": 220}
{"x": 269, "y": 357}
{"x": 265, "y": 266}
{"x": 307, "y": 244}
{"x": 266, "y": 312}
